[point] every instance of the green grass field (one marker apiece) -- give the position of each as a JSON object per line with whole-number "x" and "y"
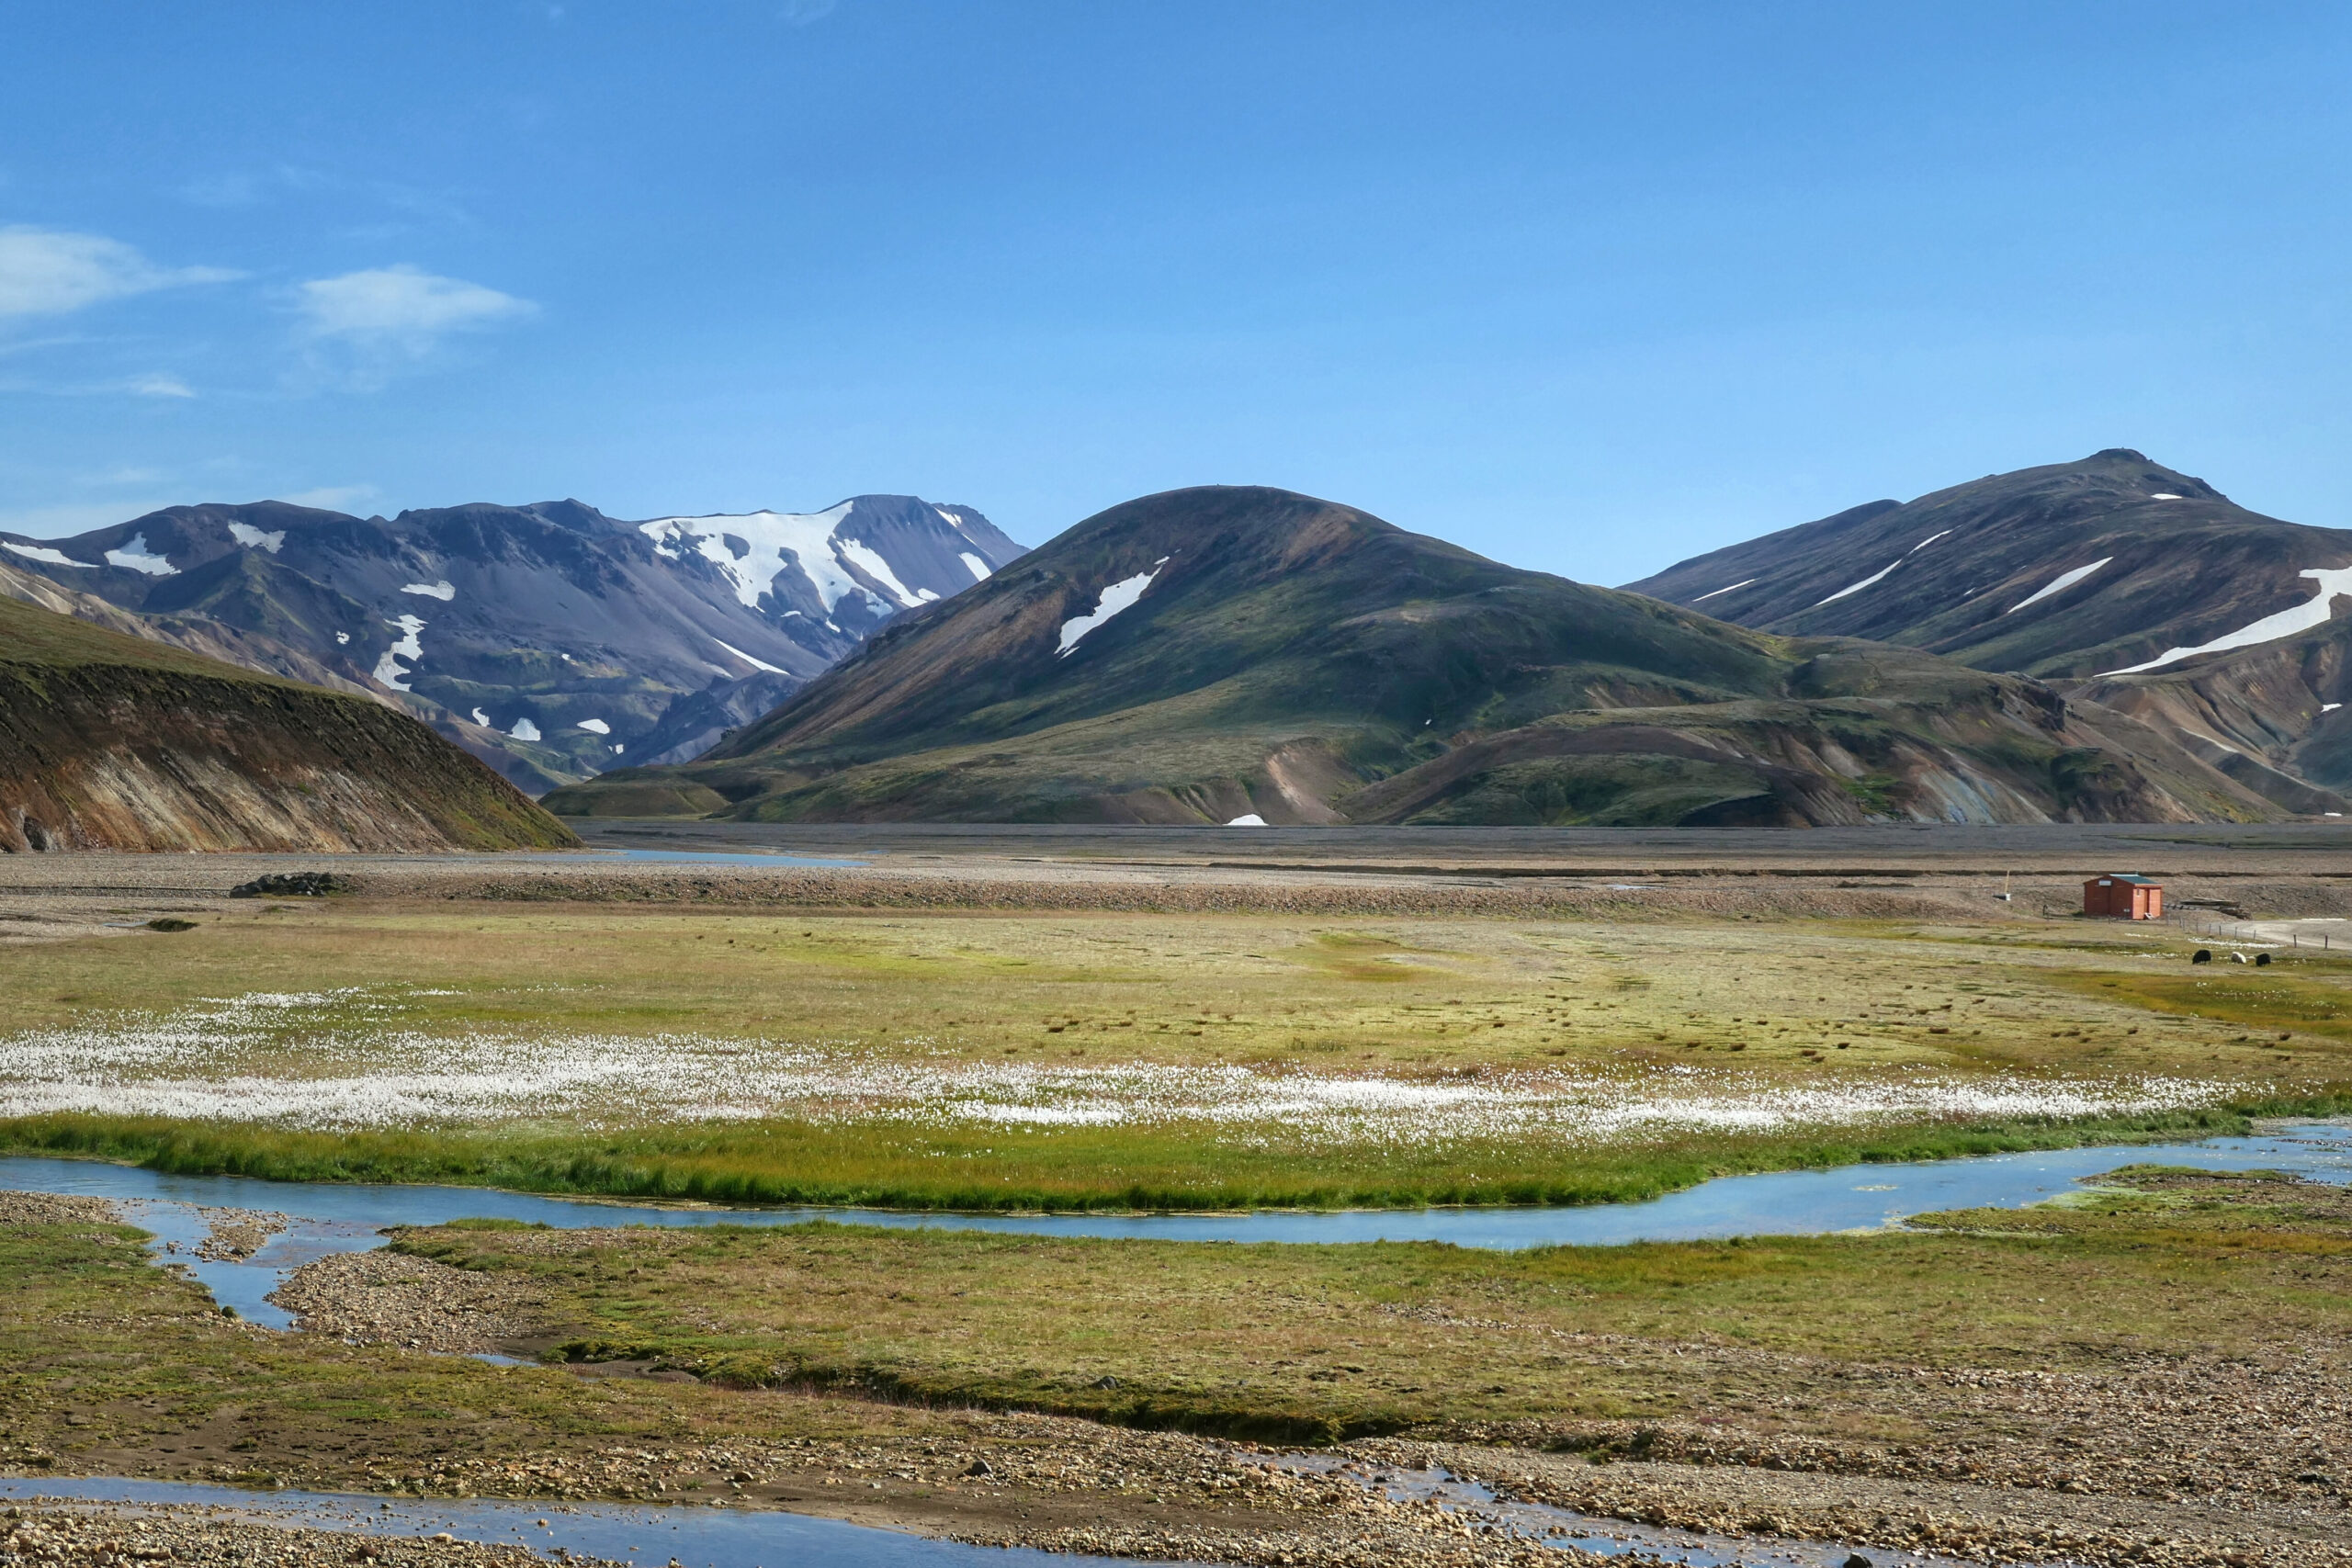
{"x": 1127, "y": 1060}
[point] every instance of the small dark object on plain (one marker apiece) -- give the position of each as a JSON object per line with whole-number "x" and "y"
{"x": 171, "y": 923}
{"x": 980, "y": 1467}
{"x": 1857, "y": 1560}
{"x": 291, "y": 884}
{"x": 2262, "y": 960}
{"x": 2203, "y": 955}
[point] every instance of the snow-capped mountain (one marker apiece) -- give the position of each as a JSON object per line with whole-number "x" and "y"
{"x": 553, "y": 641}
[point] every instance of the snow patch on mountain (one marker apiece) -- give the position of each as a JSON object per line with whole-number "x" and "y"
{"x": 1880, "y": 576}
{"x": 387, "y": 669}
{"x": 775, "y": 542}
{"x": 59, "y": 557}
{"x": 524, "y": 730}
{"x": 754, "y": 663}
{"x": 1877, "y": 576}
{"x": 596, "y": 726}
{"x": 1120, "y": 596}
{"x": 483, "y": 719}
{"x": 2315, "y": 612}
{"x": 1718, "y": 592}
{"x": 136, "y": 557}
{"x": 980, "y": 568}
{"x": 867, "y": 558}
{"x": 246, "y": 533}
{"x": 443, "y": 590}
{"x": 2058, "y": 584}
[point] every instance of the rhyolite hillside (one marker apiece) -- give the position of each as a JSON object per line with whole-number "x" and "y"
{"x": 113, "y": 741}
{"x": 1224, "y": 652}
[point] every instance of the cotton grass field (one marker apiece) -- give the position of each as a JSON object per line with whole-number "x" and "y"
{"x": 1199, "y": 1060}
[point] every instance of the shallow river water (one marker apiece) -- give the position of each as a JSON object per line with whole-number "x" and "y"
{"x": 748, "y": 1537}
{"x": 327, "y": 1218}
{"x": 333, "y": 1217}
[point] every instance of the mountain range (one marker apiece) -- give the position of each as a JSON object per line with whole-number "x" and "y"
{"x": 550, "y": 641}
{"x": 114, "y": 740}
{"x": 2107, "y": 639}
{"x": 2117, "y": 580}
{"x": 1238, "y": 653}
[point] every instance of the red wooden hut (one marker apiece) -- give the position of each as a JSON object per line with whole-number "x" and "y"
{"x": 2123, "y": 897}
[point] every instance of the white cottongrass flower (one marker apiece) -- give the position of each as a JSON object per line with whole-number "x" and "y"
{"x": 341, "y": 1060}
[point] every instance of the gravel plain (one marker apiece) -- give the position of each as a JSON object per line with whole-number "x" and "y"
{"x": 65, "y": 1535}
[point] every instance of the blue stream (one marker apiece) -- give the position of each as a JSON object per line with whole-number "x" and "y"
{"x": 328, "y": 1218}
{"x": 335, "y": 1217}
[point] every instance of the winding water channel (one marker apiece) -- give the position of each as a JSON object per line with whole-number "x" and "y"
{"x": 333, "y": 1217}
{"x": 329, "y": 1218}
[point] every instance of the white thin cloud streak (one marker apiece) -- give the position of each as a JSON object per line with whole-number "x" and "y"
{"x": 401, "y": 308}
{"x": 51, "y": 272}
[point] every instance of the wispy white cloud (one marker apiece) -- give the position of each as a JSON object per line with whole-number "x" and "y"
{"x": 161, "y": 386}
{"x": 402, "y": 307}
{"x": 366, "y": 327}
{"x": 50, "y": 272}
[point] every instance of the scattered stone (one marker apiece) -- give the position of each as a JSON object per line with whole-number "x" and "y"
{"x": 236, "y": 1235}
{"x": 54, "y": 1532}
{"x": 171, "y": 923}
{"x": 53, "y": 1209}
{"x": 390, "y": 1298}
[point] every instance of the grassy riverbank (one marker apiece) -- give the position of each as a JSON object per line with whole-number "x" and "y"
{"x": 1295, "y": 1343}
{"x": 2167, "y": 1359}
{"x": 1116, "y": 1061}
{"x": 1055, "y": 1170}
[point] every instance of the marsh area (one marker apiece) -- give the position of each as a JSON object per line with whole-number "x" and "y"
{"x": 973, "y": 1051}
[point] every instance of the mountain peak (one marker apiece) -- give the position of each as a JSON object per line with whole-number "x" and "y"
{"x": 549, "y": 638}
{"x": 1228, "y": 652}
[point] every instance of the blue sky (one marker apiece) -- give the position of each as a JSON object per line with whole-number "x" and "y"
{"x": 1587, "y": 289}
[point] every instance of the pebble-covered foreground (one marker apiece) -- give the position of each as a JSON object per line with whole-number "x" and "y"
{"x": 56, "y": 1537}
